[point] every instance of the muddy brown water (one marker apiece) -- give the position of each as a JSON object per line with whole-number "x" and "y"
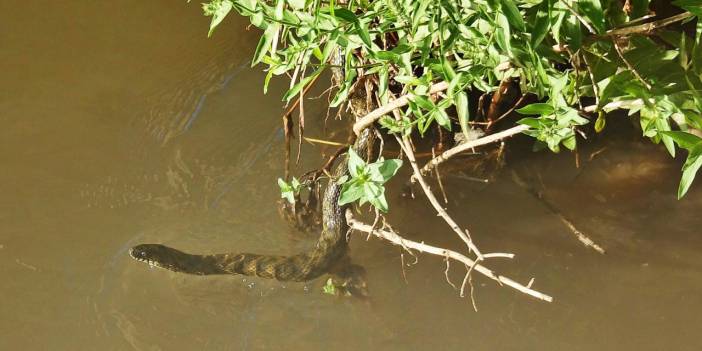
{"x": 122, "y": 123}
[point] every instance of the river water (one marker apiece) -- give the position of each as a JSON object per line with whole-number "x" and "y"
{"x": 123, "y": 124}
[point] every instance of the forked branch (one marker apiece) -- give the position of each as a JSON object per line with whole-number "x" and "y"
{"x": 396, "y": 239}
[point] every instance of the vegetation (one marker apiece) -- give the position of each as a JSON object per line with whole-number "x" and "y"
{"x": 427, "y": 60}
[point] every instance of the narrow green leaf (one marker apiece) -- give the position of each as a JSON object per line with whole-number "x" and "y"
{"x": 684, "y": 140}
{"x": 592, "y": 10}
{"x": 692, "y": 165}
{"x": 355, "y": 163}
{"x": 542, "y": 109}
{"x": 290, "y": 94}
{"x": 542, "y": 24}
{"x": 509, "y": 8}
{"x": 345, "y": 15}
{"x": 503, "y": 35}
{"x": 264, "y": 44}
{"x": 461, "y": 102}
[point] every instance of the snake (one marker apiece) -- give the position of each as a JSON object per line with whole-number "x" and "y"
{"x": 329, "y": 250}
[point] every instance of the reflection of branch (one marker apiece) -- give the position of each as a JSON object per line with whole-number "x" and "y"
{"x": 403, "y": 100}
{"x": 421, "y": 247}
{"x": 584, "y": 239}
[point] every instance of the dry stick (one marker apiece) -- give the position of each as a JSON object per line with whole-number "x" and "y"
{"x": 648, "y": 27}
{"x": 407, "y": 148}
{"x": 421, "y": 247}
{"x": 514, "y": 107}
{"x": 403, "y": 100}
{"x": 471, "y": 145}
{"x": 595, "y": 87}
{"x": 438, "y": 178}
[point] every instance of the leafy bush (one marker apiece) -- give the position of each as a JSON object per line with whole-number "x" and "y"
{"x": 607, "y": 54}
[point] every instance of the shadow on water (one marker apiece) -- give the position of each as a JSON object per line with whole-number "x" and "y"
{"x": 130, "y": 126}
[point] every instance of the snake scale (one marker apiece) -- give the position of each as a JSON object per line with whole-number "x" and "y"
{"x": 331, "y": 247}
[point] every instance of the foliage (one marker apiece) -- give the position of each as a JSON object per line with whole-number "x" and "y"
{"x": 566, "y": 53}
{"x": 366, "y": 180}
{"x": 288, "y": 191}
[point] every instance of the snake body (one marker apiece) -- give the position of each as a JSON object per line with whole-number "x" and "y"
{"x": 329, "y": 249}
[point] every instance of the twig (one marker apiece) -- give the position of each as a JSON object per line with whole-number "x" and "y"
{"x": 628, "y": 65}
{"x": 438, "y": 178}
{"x": 403, "y": 100}
{"x": 472, "y": 144}
{"x": 322, "y": 141}
{"x": 648, "y": 27}
{"x": 404, "y": 143}
{"x": 595, "y": 87}
{"x": 398, "y": 240}
{"x": 580, "y": 18}
{"x": 446, "y": 271}
{"x": 514, "y": 107}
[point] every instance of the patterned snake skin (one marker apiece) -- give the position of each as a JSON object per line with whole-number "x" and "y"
{"x": 328, "y": 251}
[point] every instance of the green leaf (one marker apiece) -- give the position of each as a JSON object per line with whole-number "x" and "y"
{"x": 389, "y": 168}
{"x": 542, "y": 109}
{"x": 350, "y": 192}
{"x": 694, "y": 6}
{"x": 264, "y": 44}
{"x": 424, "y": 103}
{"x": 569, "y": 142}
{"x": 218, "y": 10}
{"x": 684, "y": 140}
{"x": 290, "y": 94}
{"x": 531, "y": 122}
{"x": 503, "y": 35}
{"x": 592, "y": 10}
{"x": 542, "y": 24}
{"x": 355, "y": 163}
{"x": 513, "y": 16}
{"x": 362, "y": 29}
{"x": 287, "y": 191}
{"x": 461, "y": 102}
{"x": 329, "y": 288}
{"x": 692, "y": 165}
{"x": 345, "y": 15}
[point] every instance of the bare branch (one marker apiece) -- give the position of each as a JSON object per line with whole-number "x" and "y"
{"x": 407, "y": 148}
{"x": 403, "y": 100}
{"x": 421, "y": 247}
{"x": 648, "y": 27}
{"x": 472, "y": 144}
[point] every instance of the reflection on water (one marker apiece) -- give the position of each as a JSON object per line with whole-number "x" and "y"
{"x": 123, "y": 124}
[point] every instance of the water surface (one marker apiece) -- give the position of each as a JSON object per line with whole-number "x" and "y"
{"x": 122, "y": 123}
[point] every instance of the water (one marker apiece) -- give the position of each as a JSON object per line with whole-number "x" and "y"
{"x": 123, "y": 124}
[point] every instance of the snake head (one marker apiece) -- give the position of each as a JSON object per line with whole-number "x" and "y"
{"x": 155, "y": 255}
